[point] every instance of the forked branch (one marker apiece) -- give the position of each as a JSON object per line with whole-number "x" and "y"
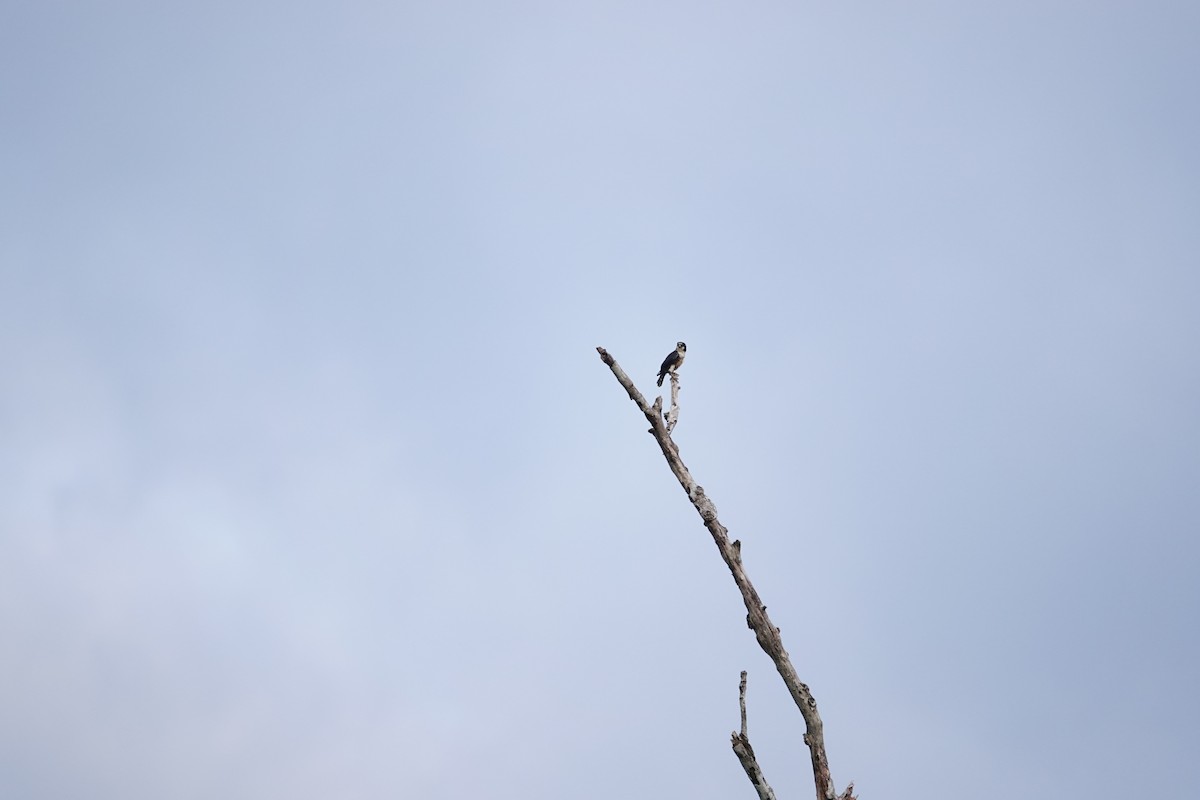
{"x": 756, "y": 611}
{"x": 745, "y": 753}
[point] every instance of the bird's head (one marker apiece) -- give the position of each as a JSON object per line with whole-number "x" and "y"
{"x": 681, "y": 347}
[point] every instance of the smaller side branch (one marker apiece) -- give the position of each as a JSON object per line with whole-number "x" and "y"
{"x": 742, "y": 701}
{"x": 745, "y": 753}
{"x": 673, "y": 414}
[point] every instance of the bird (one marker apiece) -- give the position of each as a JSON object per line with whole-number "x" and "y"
{"x": 672, "y": 362}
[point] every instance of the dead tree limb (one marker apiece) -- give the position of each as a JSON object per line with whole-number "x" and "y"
{"x": 673, "y": 414}
{"x": 756, "y": 611}
{"x": 745, "y": 753}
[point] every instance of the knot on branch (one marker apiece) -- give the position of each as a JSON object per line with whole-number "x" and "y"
{"x": 708, "y": 511}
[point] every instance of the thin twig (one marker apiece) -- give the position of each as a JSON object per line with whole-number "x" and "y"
{"x": 742, "y": 701}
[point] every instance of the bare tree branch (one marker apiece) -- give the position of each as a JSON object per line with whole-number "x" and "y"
{"x": 756, "y": 617}
{"x": 673, "y": 414}
{"x": 742, "y": 701}
{"x": 745, "y": 753}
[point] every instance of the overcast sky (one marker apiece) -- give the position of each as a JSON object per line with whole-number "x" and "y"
{"x": 312, "y": 484}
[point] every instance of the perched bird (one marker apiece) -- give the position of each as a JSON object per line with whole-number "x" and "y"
{"x": 672, "y": 362}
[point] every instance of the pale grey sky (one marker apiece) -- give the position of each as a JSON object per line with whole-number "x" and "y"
{"x": 312, "y": 484}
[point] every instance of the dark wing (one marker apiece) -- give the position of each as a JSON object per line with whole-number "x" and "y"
{"x": 669, "y": 362}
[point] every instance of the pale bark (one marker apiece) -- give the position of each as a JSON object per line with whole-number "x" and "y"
{"x": 745, "y": 753}
{"x": 673, "y": 414}
{"x": 756, "y": 617}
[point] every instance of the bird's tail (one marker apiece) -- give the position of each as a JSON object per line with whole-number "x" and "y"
{"x": 660, "y": 377}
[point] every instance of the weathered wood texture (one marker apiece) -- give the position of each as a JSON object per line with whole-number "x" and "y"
{"x": 745, "y": 753}
{"x": 756, "y": 611}
{"x": 673, "y": 414}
